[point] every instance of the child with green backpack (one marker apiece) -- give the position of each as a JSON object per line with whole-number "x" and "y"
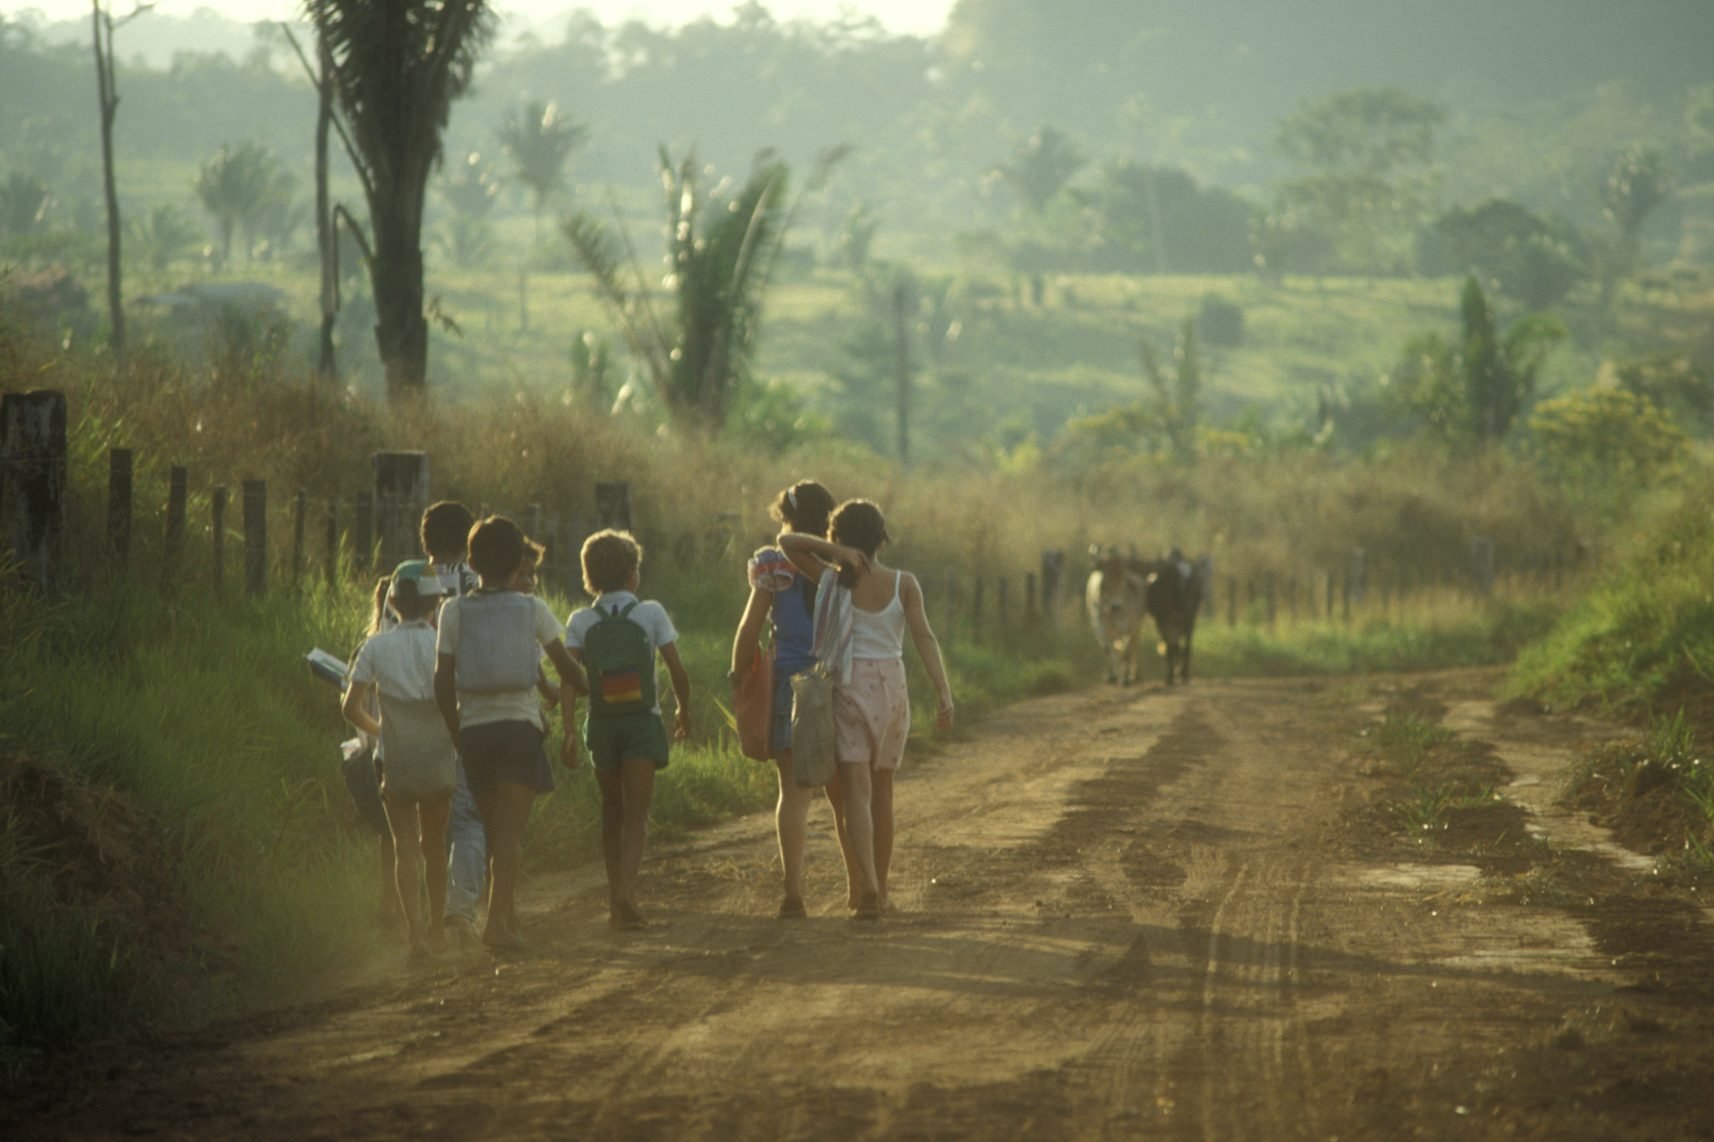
{"x": 616, "y": 640}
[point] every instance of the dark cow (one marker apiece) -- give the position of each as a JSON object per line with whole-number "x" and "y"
{"x": 1172, "y": 594}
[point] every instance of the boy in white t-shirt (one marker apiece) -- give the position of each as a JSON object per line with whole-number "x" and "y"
{"x": 421, "y": 767}
{"x": 616, "y": 640}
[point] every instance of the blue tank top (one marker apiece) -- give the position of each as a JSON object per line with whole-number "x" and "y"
{"x": 794, "y": 628}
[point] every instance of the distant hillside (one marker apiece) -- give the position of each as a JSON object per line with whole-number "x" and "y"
{"x": 1254, "y": 57}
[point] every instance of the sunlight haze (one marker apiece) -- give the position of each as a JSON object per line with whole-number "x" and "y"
{"x": 918, "y": 17}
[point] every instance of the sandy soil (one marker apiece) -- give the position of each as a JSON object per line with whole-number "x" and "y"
{"x": 1118, "y": 914}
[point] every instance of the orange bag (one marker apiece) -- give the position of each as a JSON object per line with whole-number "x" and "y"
{"x": 753, "y": 707}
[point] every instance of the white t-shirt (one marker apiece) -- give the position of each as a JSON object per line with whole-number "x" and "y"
{"x": 420, "y": 758}
{"x": 400, "y": 661}
{"x": 507, "y": 705}
{"x": 649, "y": 615}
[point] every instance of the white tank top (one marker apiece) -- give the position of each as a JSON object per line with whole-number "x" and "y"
{"x": 880, "y": 634}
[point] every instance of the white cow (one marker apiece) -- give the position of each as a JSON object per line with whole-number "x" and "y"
{"x": 1114, "y": 596}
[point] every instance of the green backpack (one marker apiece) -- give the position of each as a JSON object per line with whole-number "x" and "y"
{"x": 621, "y": 665}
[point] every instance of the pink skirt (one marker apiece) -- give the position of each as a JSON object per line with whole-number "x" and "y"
{"x": 872, "y": 713}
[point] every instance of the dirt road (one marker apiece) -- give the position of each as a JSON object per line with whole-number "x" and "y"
{"x": 1150, "y": 913}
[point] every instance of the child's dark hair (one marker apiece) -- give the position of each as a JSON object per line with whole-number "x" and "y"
{"x": 445, "y": 531}
{"x": 498, "y": 547}
{"x": 859, "y": 524}
{"x": 803, "y": 507}
{"x": 415, "y": 606}
{"x": 609, "y": 559}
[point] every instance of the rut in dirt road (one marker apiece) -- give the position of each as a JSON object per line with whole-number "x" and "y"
{"x": 1119, "y": 914}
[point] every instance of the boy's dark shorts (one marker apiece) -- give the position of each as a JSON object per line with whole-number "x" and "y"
{"x": 510, "y": 752}
{"x": 627, "y": 737}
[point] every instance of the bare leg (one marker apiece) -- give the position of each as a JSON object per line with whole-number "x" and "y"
{"x": 639, "y": 778}
{"x": 860, "y": 827}
{"x": 881, "y": 812}
{"x": 510, "y": 814}
{"x": 791, "y": 825}
{"x": 389, "y": 887}
{"x": 612, "y": 786}
{"x": 853, "y": 877}
{"x": 433, "y": 815}
{"x": 407, "y": 865}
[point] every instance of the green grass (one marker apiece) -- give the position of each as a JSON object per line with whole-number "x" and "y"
{"x": 1445, "y": 632}
{"x": 1643, "y": 636}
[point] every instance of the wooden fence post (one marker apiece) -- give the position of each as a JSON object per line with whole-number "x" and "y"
{"x": 217, "y": 508}
{"x": 401, "y": 495}
{"x": 119, "y": 500}
{"x": 613, "y": 506}
{"x": 300, "y": 509}
{"x": 1332, "y": 578}
{"x": 178, "y": 493}
{"x": 363, "y": 541}
{"x": 255, "y": 536}
{"x": 976, "y": 610}
{"x": 1357, "y": 575}
{"x": 1002, "y": 607}
{"x": 330, "y": 554}
{"x": 1268, "y": 598}
{"x": 1231, "y": 600}
{"x": 1052, "y": 570}
{"x": 1029, "y": 596}
{"x": 32, "y": 495}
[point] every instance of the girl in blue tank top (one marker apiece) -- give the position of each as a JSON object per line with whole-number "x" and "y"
{"x": 782, "y": 591}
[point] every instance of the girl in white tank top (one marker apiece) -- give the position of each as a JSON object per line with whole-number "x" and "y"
{"x": 871, "y": 707}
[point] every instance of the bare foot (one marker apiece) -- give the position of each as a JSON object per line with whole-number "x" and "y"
{"x": 624, "y": 917}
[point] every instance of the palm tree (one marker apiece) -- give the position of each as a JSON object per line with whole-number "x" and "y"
{"x": 397, "y": 67}
{"x": 235, "y": 187}
{"x": 165, "y": 235}
{"x": 719, "y": 255}
{"x": 469, "y": 191}
{"x": 1040, "y": 166}
{"x": 538, "y": 142}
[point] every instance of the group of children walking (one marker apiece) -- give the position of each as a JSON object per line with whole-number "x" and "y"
{"x": 451, "y": 686}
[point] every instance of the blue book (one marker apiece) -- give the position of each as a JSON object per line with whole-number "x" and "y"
{"x": 327, "y": 667}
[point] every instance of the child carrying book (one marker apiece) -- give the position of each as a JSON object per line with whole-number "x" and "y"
{"x": 421, "y": 768}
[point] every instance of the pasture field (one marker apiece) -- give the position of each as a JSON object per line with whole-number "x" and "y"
{"x": 990, "y": 364}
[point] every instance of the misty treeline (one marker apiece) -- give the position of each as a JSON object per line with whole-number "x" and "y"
{"x": 1197, "y": 118}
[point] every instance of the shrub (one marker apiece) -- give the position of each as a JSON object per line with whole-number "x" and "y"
{"x": 1220, "y": 322}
